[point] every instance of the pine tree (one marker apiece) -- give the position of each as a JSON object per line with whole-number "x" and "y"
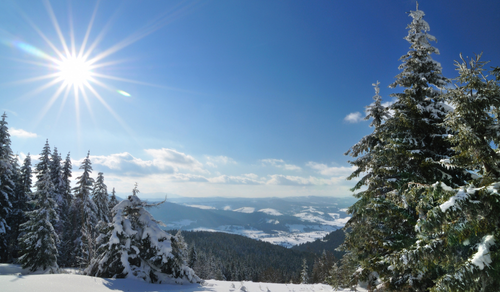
{"x": 55, "y": 167}
{"x": 192, "y": 256}
{"x": 67, "y": 244}
{"x": 6, "y": 187}
{"x": 180, "y": 253}
{"x": 134, "y": 246}
{"x": 43, "y": 166}
{"x": 101, "y": 198}
{"x": 39, "y": 239}
{"x": 304, "y": 275}
{"x": 412, "y": 145}
{"x": 19, "y": 206}
{"x": 113, "y": 201}
{"x": 460, "y": 232}
{"x": 85, "y": 219}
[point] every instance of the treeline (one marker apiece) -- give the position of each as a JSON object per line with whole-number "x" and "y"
{"x": 58, "y": 226}
{"x": 222, "y": 256}
{"x": 429, "y": 178}
{"x": 329, "y": 243}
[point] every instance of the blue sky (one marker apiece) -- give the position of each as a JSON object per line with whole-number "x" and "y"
{"x": 226, "y": 98}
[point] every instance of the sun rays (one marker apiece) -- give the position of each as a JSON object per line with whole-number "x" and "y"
{"x": 75, "y": 66}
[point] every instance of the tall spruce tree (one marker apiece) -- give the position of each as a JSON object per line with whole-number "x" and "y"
{"x": 66, "y": 258}
{"x": 6, "y": 187}
{"x": 113, "y": 201}
{"x": 44, "y": 162}
{"x": 101, "y": 199}
{"x": 19, "y": 206}
{"x": 85, "y": 218}
{"x": 56, "y": 175}
{"x": 39, "y": 240}
{"x": 461, "y": 232}
{"x": 410, "y": 145}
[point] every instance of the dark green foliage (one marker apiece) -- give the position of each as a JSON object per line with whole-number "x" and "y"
{"x": 321, "y": 268}
{"x": 21, "y": 197}
{"x": 39, "y": 239}
{"x": 6, "y": 187}
{"x": 329, "y": 243}
{"x": 240, "y": 258}
{"x": 406, "y": 147}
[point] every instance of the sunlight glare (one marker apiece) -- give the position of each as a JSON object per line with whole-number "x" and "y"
{"x": 74, "y": 71}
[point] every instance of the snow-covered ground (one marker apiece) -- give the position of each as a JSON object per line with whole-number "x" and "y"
{"x": 13, "y": 278}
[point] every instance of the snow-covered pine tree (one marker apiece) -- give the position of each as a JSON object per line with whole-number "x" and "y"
{"x": 25, "y": 179}
{"x": 85, "y": 219}
{"x": 66, "y": 245}
{"x": 101, "y": 199}
{"x": 304, "y": 274}
{"x": 180, "y": 253}
{"x": 55, "y": 167}
{"x": 44, "y": 161}
{"x": 461, "y": 233}
{"x": 19, "y": 207}
{"x": 6, "y": 187}
{"x": 39, "y": 239}
{"x": 134, "y": 246}
{"x": 192, "y": 256}
{"x": 413, "y": 145}
{"x": 367, "y": 227}
{"x": 113, "y": 201}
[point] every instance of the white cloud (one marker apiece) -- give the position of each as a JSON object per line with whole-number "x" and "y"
{"x": 21, "y": 133}
{"x": 163, "y": 161}
{"x": 280, "y": 164}
{"x": 169, "y": 158}
{"x": 331, "y": 171}
{"x": 354, "y": 117}
{"x": 229, "y": 179}
{"x": 214, "y": 161}
{"x": 279, "y": 179}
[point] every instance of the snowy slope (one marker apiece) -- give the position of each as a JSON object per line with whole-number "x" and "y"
{"x": 12, "y": 278}
{"x": 282, "y": 221}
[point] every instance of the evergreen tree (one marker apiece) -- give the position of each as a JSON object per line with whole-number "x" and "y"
{"x": 304, "y": 275}
{"x": 113, "y": 201}
{"x": 101, "y": 198}
{"x": 25, "y": 179}
{"x": 66, "y": 246}
{"x": 19, "y": 206}
{"x": 460, "y": 232}
{"x": 39, "y": 239}
{"x": 134, "y": 246}
{"x": 6, "y": 187}
{"x": 192, "y": 257}
{"x": 412, "y": 145}
{"x": 44, "y": 162}
{"x": 85, "y": 219}
{"x": 180, "y": 253}
{"x": 321, "y": 267}
{"x": 56, "y": 175}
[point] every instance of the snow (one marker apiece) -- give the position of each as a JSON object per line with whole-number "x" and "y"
{"x": 460, "y": 196}
{"x": 482, "y": 257}
{"x": 202, "y": 207}
{"x": 13, "y": 278}
{"x": 245, "y": 210}
{"x": 271, "y": 212}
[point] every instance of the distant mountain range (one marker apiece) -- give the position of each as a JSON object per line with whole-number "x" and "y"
{"x": 283, "y": 221}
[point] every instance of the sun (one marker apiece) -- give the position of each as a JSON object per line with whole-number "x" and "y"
{"x": 74, "y": 71}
